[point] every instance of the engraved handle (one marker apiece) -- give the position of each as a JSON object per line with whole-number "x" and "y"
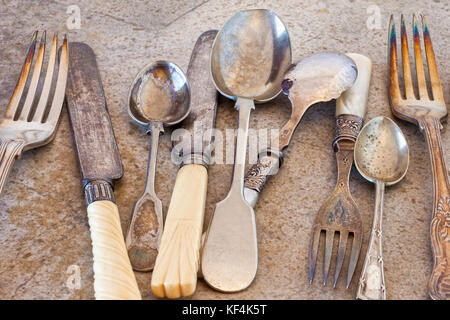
{"x": 10, "y": 150}
{"x": 371, "y": 283}
{"x": 439, "y": 284}
{"x": 144, "y": 233}
{"x": 113, "y": 275}
{"x": 175, "y": 272}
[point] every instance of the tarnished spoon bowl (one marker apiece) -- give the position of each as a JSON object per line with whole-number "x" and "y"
{"x": 250, "y": 55}
{"x": 381, "y": 151}
{"x": 160, "y": 93}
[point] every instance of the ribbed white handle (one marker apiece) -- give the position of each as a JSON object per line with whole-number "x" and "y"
{"x": 113, "y": 276}
{"x": 175, "y": 271}
{"x": 353, "y": 101}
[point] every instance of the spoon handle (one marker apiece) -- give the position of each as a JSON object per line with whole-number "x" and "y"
{"x": 371, "y": 283}
{"x": 144, "y": 233}
{"x": 439, "y": 284}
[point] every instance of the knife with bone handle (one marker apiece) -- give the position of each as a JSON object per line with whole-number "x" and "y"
{"x": 175, "y": 271}
{"x": 100, "y": 166}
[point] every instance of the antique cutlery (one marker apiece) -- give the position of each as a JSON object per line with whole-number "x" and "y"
{"x": 340, "y": 214}
{"x": 426, "y": 111}
{"x": 382, "y": 157}
{"x": 21, "y": 129}
{"x": 100, "y": 166}
{"x": 316, "y": 78}
{"x": 175, "y": 271}
{"x": 158, "y": 97}
{"x": 249, "y": 58}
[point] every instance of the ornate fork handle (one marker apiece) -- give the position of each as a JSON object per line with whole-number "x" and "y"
{"x": 10, "y": 149}
{"x": 439, "y": 284}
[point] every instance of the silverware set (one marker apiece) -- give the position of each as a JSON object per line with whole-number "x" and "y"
{"x": 249, "y": 61}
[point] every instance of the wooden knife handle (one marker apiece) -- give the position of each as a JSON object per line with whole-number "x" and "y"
{"x": 113, "y": 276}
{"x": 176, "y": 266}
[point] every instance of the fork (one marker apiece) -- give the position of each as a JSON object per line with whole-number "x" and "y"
{"x": 426, "y": 111}
{"x": 21, "y": 129}
{"x": 340, "y": 214}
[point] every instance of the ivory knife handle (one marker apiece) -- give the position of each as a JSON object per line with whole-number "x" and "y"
{"x": 113, "y": 276}
{"x": 354, "y": 100}
{"x": 177, "y": 263}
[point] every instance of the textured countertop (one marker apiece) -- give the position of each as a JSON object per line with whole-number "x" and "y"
{"x": 45, "y": 245}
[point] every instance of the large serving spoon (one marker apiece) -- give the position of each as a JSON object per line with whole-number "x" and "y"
{"x": 250, "y": 55}
{"x": 382, "y": 157}
{"x": 159, "y": 96}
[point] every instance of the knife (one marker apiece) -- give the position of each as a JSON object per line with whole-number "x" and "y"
{"x": 177, "y": 263}
{"x": 100, "y": 166}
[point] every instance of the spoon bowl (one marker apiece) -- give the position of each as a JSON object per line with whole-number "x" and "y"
{"x": 250, "y": 55}
{"x": 160, "y": 93}
{"x": 381, "y": 151}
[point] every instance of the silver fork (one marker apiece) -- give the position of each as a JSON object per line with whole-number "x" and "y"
{"x": 20, "y": 128}
{"x": 426, "y": 111}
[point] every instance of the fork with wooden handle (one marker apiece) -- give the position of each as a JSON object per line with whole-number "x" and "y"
{"x": 20, "y": 128}
{"x": 339, "y": 213}
{"x": 426, "y": 112}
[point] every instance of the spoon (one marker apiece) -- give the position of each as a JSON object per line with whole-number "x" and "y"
{"x": 249, "y": 57}
{"x": 382, "y": 157}
{"x": 159, "y": 96}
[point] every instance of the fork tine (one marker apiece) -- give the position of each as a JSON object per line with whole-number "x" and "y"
{"x": 394, "y": 88}
{"x": 328, "y": 250}
{"x": 314, "y": 248}
{"x": 421, "y": 82}
{"x": 436, "y": 87}
{"x": 40, "y": 109}
{"x": 354, "y": 255}
{"x": 31, "y": 94}
{"x": 409, "y": 91}
{"x": 341, "y": 254}
{"x": 58, "y": 99}
{"x": 17, "y": 93}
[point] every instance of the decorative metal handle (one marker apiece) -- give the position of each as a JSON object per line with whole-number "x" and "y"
{"x": 10, "y": 150}
{"x": 371, "y": 283}
{"x": 268, "y": 164}
{"x": 439, "y": 284}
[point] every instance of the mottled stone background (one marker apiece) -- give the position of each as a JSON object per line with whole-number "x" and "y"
{"x": 43, "y": 222}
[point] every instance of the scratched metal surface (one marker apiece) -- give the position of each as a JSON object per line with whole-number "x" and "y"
{"x": 44, "y": 235}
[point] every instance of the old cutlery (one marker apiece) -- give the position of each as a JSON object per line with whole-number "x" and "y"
{"x": 100, "y": 166}
{"x": 426, "y": 111}
{"x": 319, "y": 77}
{"x": 249, "y": 58}
{"x": 339, "y": 214}
{"x": 175, "y": 271}
{"x": 382, "y": 157}
{"x": 158, "y": 97}
{"x": 24, "y": 127}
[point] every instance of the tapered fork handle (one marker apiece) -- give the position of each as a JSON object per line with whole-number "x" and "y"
{"x": 10, "y": 150}
{"x": 371, "y": 283}
{"x": 439, "y": 284}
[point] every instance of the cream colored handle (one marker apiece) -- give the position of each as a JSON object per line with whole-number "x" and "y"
{"x": 353, "y": 101}
{"x": 175, "y": 271}
{"x": 113, "y": 276}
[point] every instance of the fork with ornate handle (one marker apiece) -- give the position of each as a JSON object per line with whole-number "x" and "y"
{"x": 426, "y": 112}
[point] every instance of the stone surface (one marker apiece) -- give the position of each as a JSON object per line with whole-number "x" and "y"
{"x": 44, "y": 233}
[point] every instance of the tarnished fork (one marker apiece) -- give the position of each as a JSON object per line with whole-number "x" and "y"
{"x": 426, "y": 111}
{"x": 339, "y": 214}
{"x": 22, "y": 129}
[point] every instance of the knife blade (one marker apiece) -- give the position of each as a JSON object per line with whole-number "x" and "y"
{"x": 177, "y": 263}
{"x": 100, "y": 166}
